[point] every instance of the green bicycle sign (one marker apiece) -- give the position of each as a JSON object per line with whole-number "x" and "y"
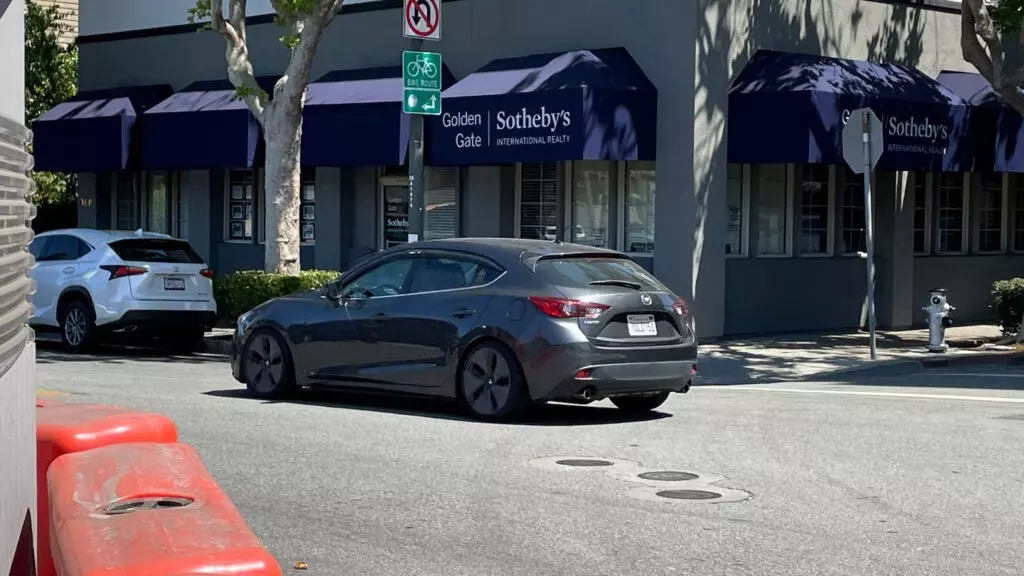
{"x": 421, "y": 80}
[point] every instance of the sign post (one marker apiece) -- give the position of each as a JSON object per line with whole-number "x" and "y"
{"x": 421, "y": 20}
{"x": 863, "y": 144}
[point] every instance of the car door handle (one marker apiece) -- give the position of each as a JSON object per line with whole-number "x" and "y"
{"x": 463, "y": 313}
{"x": 69, "y": 270}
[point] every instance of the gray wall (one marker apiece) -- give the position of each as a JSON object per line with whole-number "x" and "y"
{"x": 17, "y": 383}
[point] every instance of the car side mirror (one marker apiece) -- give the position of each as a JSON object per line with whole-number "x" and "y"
{"x": 332, "y": 291}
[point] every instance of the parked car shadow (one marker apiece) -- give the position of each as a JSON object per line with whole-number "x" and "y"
{"x": 543, "y": 415}
{"x": 50, "y": 353}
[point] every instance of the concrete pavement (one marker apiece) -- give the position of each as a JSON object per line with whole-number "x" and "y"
{"x": 840, "y": 482}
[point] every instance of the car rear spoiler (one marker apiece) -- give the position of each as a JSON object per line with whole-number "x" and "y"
{"x": 531, "y": 259}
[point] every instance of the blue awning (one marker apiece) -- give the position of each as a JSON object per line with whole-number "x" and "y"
{"x": 581, "y": 105}
{"x": 92, "y": 132}
{"x": 355, "y": 118}
{"x": 998, "y": 129}
{"x": 202, "y": 126}
{"x": 787, "y": 107}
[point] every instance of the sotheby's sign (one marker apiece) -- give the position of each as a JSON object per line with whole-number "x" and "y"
{"x": 476, "y": 131}
{"x": 908, "y": 134}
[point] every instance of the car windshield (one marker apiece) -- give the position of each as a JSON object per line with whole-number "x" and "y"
{"x": 585, "y": 271}
{"x": 156, "y": 250}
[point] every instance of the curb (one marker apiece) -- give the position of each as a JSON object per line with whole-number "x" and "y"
{"x": 891, "y": 368}
{"x": 216, "y": 346}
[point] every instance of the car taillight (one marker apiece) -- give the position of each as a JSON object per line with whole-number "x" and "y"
{"x": 565, "y": 308}
{"x": 207, "y": 273}
{"x": 680, "y": 307}
{"x": 124, "y": 271}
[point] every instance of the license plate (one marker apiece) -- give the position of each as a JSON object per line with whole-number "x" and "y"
{"x": 641, "y": 325}
{"x": 174, "y": 283}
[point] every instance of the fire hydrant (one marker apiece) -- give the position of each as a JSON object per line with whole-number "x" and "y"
{"x": 938, "y": 320}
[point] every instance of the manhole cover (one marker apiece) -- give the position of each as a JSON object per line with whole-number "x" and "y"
{"x": 688, "y": 495}
{"x": 583, "y": 462}
{"x": 668, "y": 476}
{"x": 137, "y": 504}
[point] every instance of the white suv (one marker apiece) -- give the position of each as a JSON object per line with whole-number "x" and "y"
{"x": 91, "y": 283}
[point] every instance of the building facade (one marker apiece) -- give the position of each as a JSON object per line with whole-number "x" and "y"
{"x": 644, "y": 126}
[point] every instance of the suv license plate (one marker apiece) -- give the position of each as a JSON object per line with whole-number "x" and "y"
{"x": 174, "y": 283}
{"x": 641, "y": 325}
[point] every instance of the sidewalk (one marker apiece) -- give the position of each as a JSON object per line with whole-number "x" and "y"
{"x": 802, "y": 356}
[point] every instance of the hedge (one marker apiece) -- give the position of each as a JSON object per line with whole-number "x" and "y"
{"x": 1007, "y": 302}
{"x": 239, "y": 292}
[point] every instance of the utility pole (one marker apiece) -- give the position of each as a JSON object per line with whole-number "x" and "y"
{"x": 869, "y": 230}
{"x": 416, "y": 181}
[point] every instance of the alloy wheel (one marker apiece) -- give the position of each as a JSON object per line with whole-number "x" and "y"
{"x": 75, "y": 326}
{"x": 486, "y": 381}
{"x": 264, "y": 364}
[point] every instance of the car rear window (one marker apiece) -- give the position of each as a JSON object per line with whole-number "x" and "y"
{"x": 580, "y": 272}
{"x": 156, "y": 250}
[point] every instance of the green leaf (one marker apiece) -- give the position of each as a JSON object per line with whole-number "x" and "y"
{"x": 1008, "y": 15}
{"x": 51, "y": 77}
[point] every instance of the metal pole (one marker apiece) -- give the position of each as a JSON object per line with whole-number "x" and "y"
{"x": 869, "y": 233}
{"x": 416, "y": 166}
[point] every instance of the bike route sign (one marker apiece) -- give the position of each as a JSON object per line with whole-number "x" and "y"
{"x": 421, "y": 80}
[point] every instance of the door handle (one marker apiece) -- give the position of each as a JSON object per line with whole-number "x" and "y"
{"x": 463, "y": 313}
{"x": 69, "y": 270}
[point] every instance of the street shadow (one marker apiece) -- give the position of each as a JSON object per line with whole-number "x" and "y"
{"x": 48, "y": 352}
{"x": 546, "y": 415}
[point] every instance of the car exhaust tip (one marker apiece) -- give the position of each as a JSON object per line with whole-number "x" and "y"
{"x": 586, "y": 394}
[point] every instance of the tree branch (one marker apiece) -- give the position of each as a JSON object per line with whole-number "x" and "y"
{"x": 973, "y": 51}
{"x": 240, "y": 71}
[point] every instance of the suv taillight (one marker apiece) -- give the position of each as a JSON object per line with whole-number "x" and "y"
{"x": 565, "y": 308}
{"x": 207, "y": 273}
{"x": 681, "y": 307}
{"x": 124, "y": 271}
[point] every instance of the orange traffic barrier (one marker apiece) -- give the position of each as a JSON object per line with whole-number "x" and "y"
{"x": 64, "y": 428}
{"x": 147, "y": 509}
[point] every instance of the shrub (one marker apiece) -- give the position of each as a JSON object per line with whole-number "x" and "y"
{"x": 239, "y": 292}
{"x": 1007, "y": 302}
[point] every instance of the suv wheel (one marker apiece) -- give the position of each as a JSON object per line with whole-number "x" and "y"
{"x": 77, "y": 327}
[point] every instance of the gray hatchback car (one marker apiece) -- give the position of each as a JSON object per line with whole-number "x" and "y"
{"x": 498, "y": 324}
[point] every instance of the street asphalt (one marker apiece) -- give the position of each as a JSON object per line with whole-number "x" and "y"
{"x": 917, "y": 475}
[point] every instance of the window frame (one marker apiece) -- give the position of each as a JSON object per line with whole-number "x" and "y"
{"x": 929, "y": 182}
{"x": 745, "y": 186}
{"x": 965, "y": 220}
{"x": 458, "y": 198}
{"x": 841, "y": 208}
{"x": 84, "y": 248}
{"x": 418, "y": 256}
{"x": 564, "y": 172}
{"x": 830, "y": 221}
{"x": 307, "y": 176}
{"x": 1003, "y": 218}
{"x": 789, "y": 214}
{"x": 139, "y": 183}
{"x": 257, "y": 220}
{"x": 622, "y": 191}
{"x": 1016, "y": 216}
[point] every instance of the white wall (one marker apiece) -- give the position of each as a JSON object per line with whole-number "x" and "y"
{"x": 17, "y": 383}
{"x": 110, "y": 16}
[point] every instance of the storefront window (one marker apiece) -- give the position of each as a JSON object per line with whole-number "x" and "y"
{"x": 920, "y": 191}
{"x": 441, "y": 214}
{"x": 538, "y": 201}
{"x": 950, "y": 213}
{"x": 814, "y": 210}
{"x": 853, "y": 222}
{"x": 126, "y": 201}
{"x": 241, "y": 205}
{"x": 1018, "y": 212}
{"x": 639, "y": 206}
{"x": 990, "y": 213}
{"x": 307, "y": 206}
{"x": 734, "y": 200}
{"x": 772, "y": 208}
{"x": 181, "y": 213}
{"x": 592, "y": 182}
{"x": 157, "y": 205}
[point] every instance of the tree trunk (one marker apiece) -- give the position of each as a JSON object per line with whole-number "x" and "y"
{"x": 283, "y": 128}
